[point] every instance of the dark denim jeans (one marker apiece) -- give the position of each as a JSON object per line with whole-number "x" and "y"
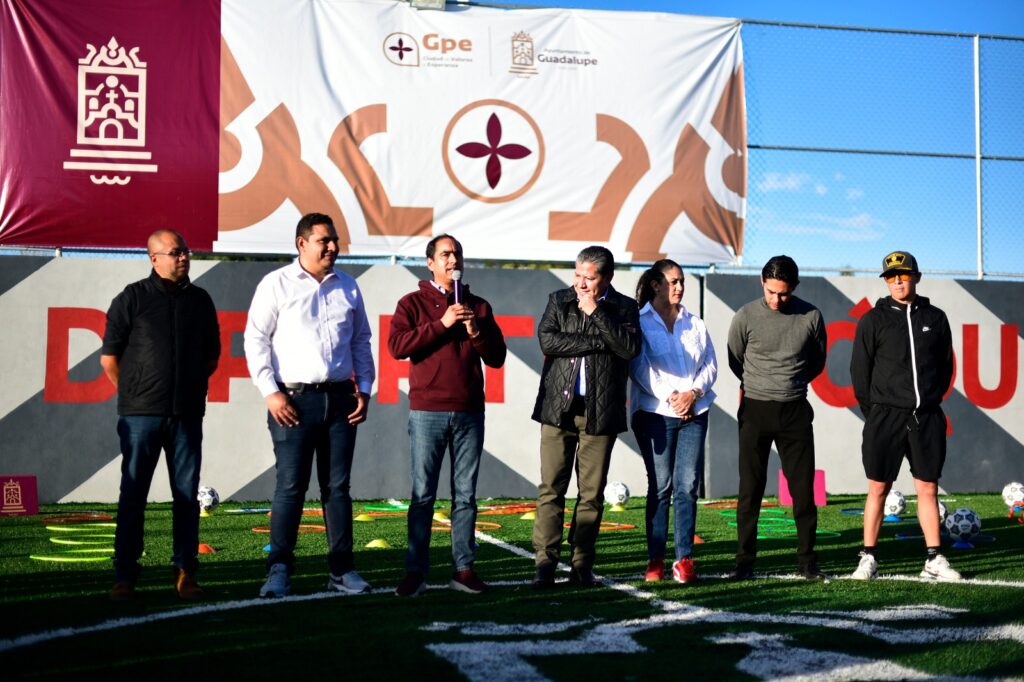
{"x": 673, "y": 452}
{"x": 430, "y": 435}
{"x": 142, "y": 439}
{"x": 324, "y": 434}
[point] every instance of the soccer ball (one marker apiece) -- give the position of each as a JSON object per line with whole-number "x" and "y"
{"x": 895, "y": 503}
{"x": 943, "y": 513}
{"x": 616, "y": 492}
{"x": 1013, "y": 494}
{"x": 208, "y": 498}
{"x": 963, "y": 524}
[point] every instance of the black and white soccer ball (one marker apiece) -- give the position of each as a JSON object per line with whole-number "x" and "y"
{"x": 895, "y": 503}
{"x": 963, "y": 524}
{"x": 943, "y": 513}
{"x": 1013, "y": 494}
{"x": 616, "y": 492}
{"x": 208, "y": 498}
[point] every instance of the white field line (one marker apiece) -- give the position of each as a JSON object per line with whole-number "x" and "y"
{"x": 626, "y": 588}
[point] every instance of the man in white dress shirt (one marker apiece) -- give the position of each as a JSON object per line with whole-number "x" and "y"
{"x": 307, "y": 344}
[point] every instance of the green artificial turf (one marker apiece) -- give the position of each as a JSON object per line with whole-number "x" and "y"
{"x": 774, "y": 626}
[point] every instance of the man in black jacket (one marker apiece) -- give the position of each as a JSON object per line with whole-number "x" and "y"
{"x": 161, "y": 345}
{"x": 588, "y": 334}
{"x": 902, "y": 365}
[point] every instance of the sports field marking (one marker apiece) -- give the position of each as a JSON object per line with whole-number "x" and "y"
{"x": 771, "y": 657}
{"x": 675, "y": 608}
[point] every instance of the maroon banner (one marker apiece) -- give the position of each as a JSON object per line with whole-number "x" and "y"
{"x": 108, "y": 121}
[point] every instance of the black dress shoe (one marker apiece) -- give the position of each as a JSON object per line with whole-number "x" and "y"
{"x": 741, "y": 573}
{"x": 812, "y": 572}
{"x": 583, "y": 577}
{"x": 545, "y": 578}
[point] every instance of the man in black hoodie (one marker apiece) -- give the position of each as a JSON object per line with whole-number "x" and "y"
{"x": 902, "y": 365}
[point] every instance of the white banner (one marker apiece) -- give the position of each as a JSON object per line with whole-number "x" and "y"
{"x": 526, "y": 133}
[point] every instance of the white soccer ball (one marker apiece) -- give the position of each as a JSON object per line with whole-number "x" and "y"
{"x": 208, "y": 498}
{"x": 616, "y": 492}
{"x": 895, "y": 503}
{"x": 943, "y": 513}
{"x": 1013, "y": 494}
{"x": 963, "y": 524}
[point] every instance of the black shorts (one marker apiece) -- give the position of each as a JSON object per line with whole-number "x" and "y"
{"x": 890, "y": 434}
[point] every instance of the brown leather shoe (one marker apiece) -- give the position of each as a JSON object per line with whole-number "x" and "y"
{"x": 187, "y": 586}
{"x": 122, "y": 591}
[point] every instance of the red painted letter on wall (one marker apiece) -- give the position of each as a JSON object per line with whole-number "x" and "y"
{"x": 1003, "y": 392}
{"x": 229, "y": 366}
{"x": 391, "y": 370}
{"x": 841, "y": 330}
{"x": 58, "y": 388}
{"x": 494, "y": 378}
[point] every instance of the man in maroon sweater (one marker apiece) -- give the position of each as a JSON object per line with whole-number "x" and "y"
{"x": 446, "y": 332}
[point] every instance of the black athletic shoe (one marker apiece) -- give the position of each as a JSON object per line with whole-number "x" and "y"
{"x": 812, "y": 572}
{"x": 583, "y": 577}
{"x": 545, "y": 578}
{"x": 741, "y": 573}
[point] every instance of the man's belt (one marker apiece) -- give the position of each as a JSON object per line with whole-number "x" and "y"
{"x": 298, "y": 388}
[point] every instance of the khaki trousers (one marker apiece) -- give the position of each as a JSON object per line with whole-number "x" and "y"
{"x": 561, "y": 450}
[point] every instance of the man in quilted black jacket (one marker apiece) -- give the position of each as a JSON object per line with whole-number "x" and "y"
{"x": 589, "y": 333}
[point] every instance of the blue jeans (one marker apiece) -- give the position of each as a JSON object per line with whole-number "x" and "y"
{"x": 324, "y": 434}
{"x": 430, "y": 435}
{"x": 142, "y": 439}
{"x": 673, "y": 452}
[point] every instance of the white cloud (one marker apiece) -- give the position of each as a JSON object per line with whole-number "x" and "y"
{"x": 784, "y": 182}
{"x": 862, "y": 227}
{"x": 854, "y": 193}
{"x": 839, "y": 176}
{"x": 820, "y": 189}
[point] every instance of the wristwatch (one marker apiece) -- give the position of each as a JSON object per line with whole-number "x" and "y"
{"x": 697, "y": 393}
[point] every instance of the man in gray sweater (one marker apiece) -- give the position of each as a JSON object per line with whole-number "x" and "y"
{"x": 777, "y": 347}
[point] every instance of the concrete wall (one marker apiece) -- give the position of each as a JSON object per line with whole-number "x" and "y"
{"x": 58, "y": 412}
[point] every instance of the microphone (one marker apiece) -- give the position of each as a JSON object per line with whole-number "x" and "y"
{"x": 457, "y": 280}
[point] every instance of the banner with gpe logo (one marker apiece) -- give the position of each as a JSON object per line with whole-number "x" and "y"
{"x": 526, "y": 133}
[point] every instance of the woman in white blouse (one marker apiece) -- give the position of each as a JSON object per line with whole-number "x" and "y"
{"x": 669, "y": 399}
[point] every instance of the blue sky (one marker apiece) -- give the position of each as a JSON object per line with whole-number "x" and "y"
{"x": 998, "y": 17}
{"x": 875, "y": 91}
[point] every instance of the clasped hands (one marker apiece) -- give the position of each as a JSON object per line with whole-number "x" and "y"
{"x": 682, "y": 404}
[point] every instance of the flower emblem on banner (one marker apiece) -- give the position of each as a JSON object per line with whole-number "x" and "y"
{"x": 402, "y": 49}
{"x": 505, "y": 164}
{"x": 493, "y": 151}
{"x": 111, "y": 114}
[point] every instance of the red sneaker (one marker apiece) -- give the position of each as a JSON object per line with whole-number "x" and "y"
{"x": 655, "y": 570}
{"x": 413, "y": 584}
{"x": 467, "y": 581}
{"x": 683, "y": 571}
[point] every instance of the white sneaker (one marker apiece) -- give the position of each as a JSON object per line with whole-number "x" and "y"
{"x": 350, "y": 582}
{"x": 938, "y": 568}
{"x": 867, "y": 569}
{"x": 278, "y": 583}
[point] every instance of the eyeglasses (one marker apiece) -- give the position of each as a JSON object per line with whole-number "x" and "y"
{"x": 176, "y": 253}
{"x": 902, "y": 277}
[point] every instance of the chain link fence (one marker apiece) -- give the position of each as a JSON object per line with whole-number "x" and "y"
{"x": 866, "y": 141}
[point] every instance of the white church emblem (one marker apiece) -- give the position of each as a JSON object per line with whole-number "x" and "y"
{"x": 111, "y": 121}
